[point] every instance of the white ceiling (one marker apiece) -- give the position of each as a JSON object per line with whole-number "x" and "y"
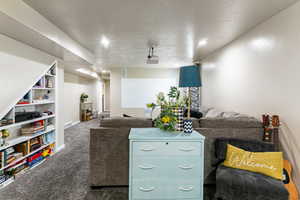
{"x": 176, "y": 25}
{"x": 20, "y": 32}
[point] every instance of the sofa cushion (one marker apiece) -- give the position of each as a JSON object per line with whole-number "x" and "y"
{"x": 235, "y": 184}
{"x": 131, "y": 122}
{"x": 240, "y": 122}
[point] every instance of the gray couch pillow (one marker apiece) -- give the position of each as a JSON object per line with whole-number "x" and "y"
{"x": 204, "y": 110}
{"x": 214, "y": 113}
{"x": 230, "y": 114}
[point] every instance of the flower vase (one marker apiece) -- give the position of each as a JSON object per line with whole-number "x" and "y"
{"x": 178, "y": 112}
{"x": 188, "y": 126}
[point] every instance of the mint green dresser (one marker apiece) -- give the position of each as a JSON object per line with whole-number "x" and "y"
{"x": 165, "y": 165}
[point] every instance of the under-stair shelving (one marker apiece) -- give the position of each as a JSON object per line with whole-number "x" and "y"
{"x": 31, "y": 124}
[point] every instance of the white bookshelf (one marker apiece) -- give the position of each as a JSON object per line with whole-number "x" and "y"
{"x": 40, "y": 98}
{"x": 26, "y": 122}
{"x": 22, "y": 139}
{"x": 35, "y": 104}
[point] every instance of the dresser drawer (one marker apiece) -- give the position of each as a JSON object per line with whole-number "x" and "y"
{"x": 172, "y": 199}
{"x": 164, "y": 190}
{"x": 166, "y": 148}
{"x": 169, "y": 168}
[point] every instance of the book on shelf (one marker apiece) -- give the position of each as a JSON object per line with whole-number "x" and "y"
{"x": 6, "y": 180}
{"x": 2, "y": 178}
{"x": 36, "y": 127}
{"x": 36, "y": 143}
{"x": 2, "y": 159}
{"x": 22, "y": 148}
{"x": 17, "y": 167}
{"x": 9, "y": 150}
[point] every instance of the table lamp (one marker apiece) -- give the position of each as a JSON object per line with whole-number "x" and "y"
{"x": 189, "y": 77}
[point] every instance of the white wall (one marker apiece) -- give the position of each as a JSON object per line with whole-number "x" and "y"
{"x": 60, "y": 136}
{"x": 107, "y": 95}
{"x": 74, "y": 86}
{"x": 259, "y": 73}
{"x": 115, "y": 86}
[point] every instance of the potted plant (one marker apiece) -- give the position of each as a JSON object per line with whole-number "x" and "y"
{"x": 171, "y": 117}
{"x": 152, "y": 107}
{"x": 84, "y": 97}
{"x": 166, "y": 121}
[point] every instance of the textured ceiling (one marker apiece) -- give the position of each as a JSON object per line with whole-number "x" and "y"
{"x": 176, "y": 25}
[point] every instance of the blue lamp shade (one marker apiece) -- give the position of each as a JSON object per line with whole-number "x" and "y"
{"x": 190, "y": 77}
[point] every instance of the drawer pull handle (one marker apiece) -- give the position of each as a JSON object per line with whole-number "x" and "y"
{"x": 146, "y": 189}
{"x": 147, "y": 148}
{"x": 146, "y": 167}
{"x": 185, "y": 167}
{"x": 186, "y": 189}
{"x": 187, "y": 149}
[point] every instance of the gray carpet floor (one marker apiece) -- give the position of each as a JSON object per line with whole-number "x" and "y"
{"x": 65, "y": 175}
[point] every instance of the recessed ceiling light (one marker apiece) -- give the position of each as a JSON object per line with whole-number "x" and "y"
{"x": 105, "y": 42}
{"x": 202, "y": 42}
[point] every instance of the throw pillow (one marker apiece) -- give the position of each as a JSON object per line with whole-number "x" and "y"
{"x": 267, "y": 163}
{"x": 230, "y": 114}
{"x": 204, "y": 110}
{"x": 213, "y": 113}
{"x": 194, "y": 114}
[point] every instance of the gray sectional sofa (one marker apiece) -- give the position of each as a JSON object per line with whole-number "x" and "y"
{"x": 109, "y": 145}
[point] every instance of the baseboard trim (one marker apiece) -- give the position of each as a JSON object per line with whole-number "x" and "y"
{"x": 75, "y": 123}
{"x": 60, "y": 148}
{"x": 70, "y": 124}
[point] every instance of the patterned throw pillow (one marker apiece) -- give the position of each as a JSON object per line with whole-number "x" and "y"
{"x": 267, "y": 163}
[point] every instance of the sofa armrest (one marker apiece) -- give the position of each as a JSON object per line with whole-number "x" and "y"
{"x": 109, "y": 149}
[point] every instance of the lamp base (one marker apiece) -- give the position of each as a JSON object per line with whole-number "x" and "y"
{"x": 188, "y": 126}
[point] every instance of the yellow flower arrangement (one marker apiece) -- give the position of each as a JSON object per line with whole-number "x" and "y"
{"x": 166, "y": 119}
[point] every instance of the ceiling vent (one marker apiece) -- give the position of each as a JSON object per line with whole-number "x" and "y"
{"x": 152, "y": 59}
